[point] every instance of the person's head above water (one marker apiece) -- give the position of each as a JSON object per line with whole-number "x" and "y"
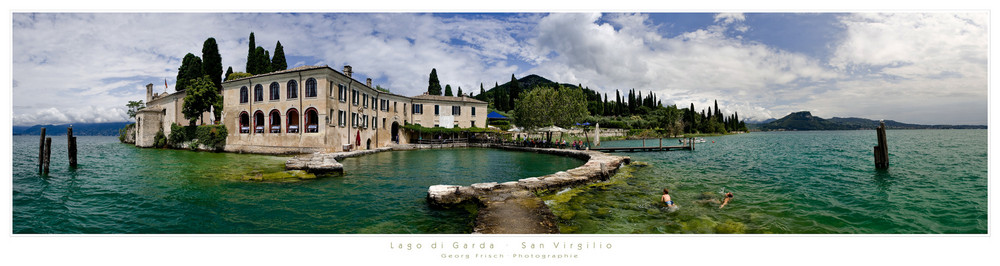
{"x": 729, "y": 195}
{"x": 665, "y": 191}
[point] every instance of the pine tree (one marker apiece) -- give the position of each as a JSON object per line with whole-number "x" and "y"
{"x": 459, "y": 92}
{"x": 618, "y": 103}
{"x": 433, "y": 84}
{"x": 447, "y": 90}
{"x": 252, "y": 56}
{"x": 212, "y": 62}
{"x": 482, "y": 91}
{"x": 278, "y": 63}
{"x": 190, "y": 70}
{"x": 228, "y": 72}
{"x": 718, "y": 114}
{"x": 266, "y": 62}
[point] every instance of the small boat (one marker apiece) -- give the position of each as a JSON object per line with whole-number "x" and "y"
{"x": 688, "y": 141}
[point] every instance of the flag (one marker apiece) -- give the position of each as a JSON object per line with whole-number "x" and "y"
{"x": 165, "y": 84}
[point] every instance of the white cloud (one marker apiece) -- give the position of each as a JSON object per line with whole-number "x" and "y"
{"x": 729, "y": 18}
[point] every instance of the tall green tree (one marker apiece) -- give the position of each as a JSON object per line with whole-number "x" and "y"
{"x": 278, "y": 62}
{"x": 268, "y": 68}
{"x": 252, "y": 56}
{"x": 190, "y": 70}
{"x": 447, "y": 90}
{"x": 261, "y": 62}
{"x": 459, "y": 92}
{"x": 547, "y": 106}
{"x": 212, "y": 62}
{"x": 134, "y": 107}
{"x": 201, "y": 97}
{"x": 433, "y": 84}
{"x": 482, "y": 91}
{"x": 228, "y": 72}
{"x": 514, "y": 92}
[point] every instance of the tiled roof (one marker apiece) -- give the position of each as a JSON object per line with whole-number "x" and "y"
{"x": 447, "y": 98}
{"x": 301, "y": 68}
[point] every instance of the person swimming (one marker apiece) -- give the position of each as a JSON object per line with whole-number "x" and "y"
{"x": 666, "y": 198}
{"x": 729, "y": 196}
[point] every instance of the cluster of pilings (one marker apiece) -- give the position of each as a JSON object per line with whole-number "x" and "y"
{"x": 45, "y": 151}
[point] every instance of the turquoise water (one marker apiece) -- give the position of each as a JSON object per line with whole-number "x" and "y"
{"x": 118, "y": 188}
{"x": 797, "y": 182}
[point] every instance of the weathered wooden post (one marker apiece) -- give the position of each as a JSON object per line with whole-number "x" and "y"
{"x": 643, "y": 142}
{"x": 882, "y": 150}
{"x": 41, "y": 150}
{"x": 71, "y": 146}
{"x": 48, "y": 152}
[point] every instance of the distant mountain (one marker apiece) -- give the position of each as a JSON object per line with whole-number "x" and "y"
{"x": 806, "y": 121}
{"x": 79, "y": 129}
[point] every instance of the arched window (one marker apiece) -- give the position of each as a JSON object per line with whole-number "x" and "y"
{"x": 258, "y": 122}
{"x": 244, "y": 122}
{"x": 275, "y": 121}
{"x": 292, "y": 90}
{"x": 311, "y": 87}
{"x": 244, "y": 95}
{"x": 293, "y": 121}
{"x": 274, "y": 91}
{"x": 312, "y": 121}
{"x": 258, "y": 93}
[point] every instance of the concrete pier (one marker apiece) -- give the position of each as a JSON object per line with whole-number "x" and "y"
{"x": 323, "y": 163}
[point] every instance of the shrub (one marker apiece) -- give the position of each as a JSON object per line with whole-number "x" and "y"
{"x": 213, "y": 136}
{"x": 125, "y": 130}
{"x": 238, "y": 75}
{"x": 177, "y": 135}
{"x": 159, "y": 141}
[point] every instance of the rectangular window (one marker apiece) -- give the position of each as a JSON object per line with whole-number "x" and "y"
{"x": 354, "y": 119}
{"x": 374, "y": 102}
{"x": 437, "y": 109}
{"x": 354, "y": 97}
{"x": 456, "y": 110}
{"x": 342, "y": 93}
{"x": 364, "y": 98}
{"x": 364, "y": 121}
{"x": 374, "y": 122}
{"x": 473, "y": 113}
{"x": 341, "y": 118}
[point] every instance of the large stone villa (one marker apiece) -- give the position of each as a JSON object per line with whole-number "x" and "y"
{"x": 311, "y": 109}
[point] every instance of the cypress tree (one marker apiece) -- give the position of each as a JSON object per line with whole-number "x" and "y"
{"x": 433, "y": 84}
{"x": 266, "y": 62}
{"x": 618, "y": 102}
{"x": 447, "y": 90}
{"x": 190, "y": 70}
{"x": 514, "y": 93}
{"x": 212, "y": 62}
{"x": 278, "y": 62}
{"x": 459, "y": 92}
{"x": 252, "y": 56}
{"x": 228, "y": 72}
{"x": 482, "y": 91}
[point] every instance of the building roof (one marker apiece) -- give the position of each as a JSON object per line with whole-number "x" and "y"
{"x": 295, "y": 69}
{"x": 447, "y": 98}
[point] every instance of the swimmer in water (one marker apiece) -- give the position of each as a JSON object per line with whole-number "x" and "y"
{"x": 729, "y": 196}
{"x": 666, "y": 198}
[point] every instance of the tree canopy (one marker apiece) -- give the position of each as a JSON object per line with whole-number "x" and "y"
{"x": 433, "y": 84}
{"x": 201, "y": 97}
{"x": 190, "y": 70}
{"x": 547, "y": 106}
{"x": 212, "y": 62}
{"x": 228, "y": 73}
{"x": 134, "y": 107}
{"x": 278, "y": 61}
{"x": 447, "y": 90}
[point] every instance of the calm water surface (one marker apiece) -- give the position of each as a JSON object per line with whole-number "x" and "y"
{"x": 796, "y": 182}
{"x": 118, "y": 188}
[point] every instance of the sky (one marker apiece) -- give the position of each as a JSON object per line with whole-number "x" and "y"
{"x": 924, "y": 68}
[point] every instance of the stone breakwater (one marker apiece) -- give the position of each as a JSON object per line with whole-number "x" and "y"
{"x": 512, "y": 207}
{"x": 321, "y": 163}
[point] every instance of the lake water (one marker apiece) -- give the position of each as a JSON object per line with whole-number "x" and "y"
{"x": 119, "y": 188}
{"x": 796, "y": 182}
{"x": 784, "y": 182}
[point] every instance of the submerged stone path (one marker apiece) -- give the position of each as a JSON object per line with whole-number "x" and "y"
{"x": 506, "y": 208}
{"x": 512, "y": 207}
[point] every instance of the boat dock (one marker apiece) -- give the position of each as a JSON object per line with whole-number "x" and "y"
{"x": 687, "y": 146}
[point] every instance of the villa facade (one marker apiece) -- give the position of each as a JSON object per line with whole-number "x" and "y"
{"x": 316, "y": 108}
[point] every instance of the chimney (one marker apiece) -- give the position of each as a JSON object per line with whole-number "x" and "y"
{"x": 347, "y": 71}
{"x": 368, "y": 82}
{"x": 149, "y": 92}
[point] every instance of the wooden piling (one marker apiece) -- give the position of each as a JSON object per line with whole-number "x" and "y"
{"x": 71, "y": 146}
{"x": 882, "y": 150}
{"x": 48, "y": 152}
{"x": 41, "y": 150}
